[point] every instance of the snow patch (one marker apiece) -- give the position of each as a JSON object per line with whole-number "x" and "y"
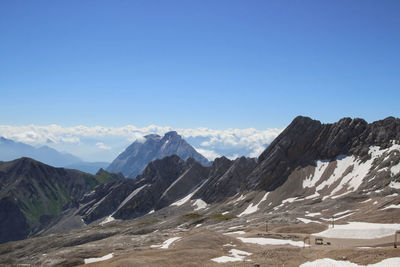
{"x": 360, "y": 230}
{"x": 354, "y": 178}
{"x": 185, "y": 199}
{"x": 236, "y": 233}
{"x": 341, "y": 213}
{"x": 253, "y": 208}
{"x": 392, "y": 207}
{"x": 182, "y": 200}
{"x": 395, "y": 185}
{"x": 166, "y": 243}
{"x": 319, "y": 170}
{"x": 107, "y": 220}
{"x": 289, "y": 200}
{"x": 235, "y": 227}
{"x": 131, "y": 195}
{"x": 199, "y": 204}
{"x": 271, "y": 241}
{"x": 106, "y": 257}
{"x": 239, "y": 198}
{"x": 395, "y": 169}
{"x": 306, "y": 220}
{"x": 313, "y": 214}
{"x": 316, "y": 194}
{"x": 332, "y": 263}
{"x": 235, "y": 255}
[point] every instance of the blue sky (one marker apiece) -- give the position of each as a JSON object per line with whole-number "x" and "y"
{"x": 187, "y": 64}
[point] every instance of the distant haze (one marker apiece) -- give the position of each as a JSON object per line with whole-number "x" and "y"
{"x": 105, "y": 143}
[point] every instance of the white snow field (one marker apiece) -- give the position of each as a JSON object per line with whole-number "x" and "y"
{"x": 390, "y": 262}
{"x": 106, "y": 257}
{"x": 235, "y": 255}
{"x": 271, "y": 241}
{"x": 360, "y": 230}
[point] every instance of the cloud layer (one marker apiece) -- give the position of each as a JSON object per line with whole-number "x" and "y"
{"x": 100, "y": 143}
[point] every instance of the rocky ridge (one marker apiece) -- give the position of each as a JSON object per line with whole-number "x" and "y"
{"x": 33, "y": 193}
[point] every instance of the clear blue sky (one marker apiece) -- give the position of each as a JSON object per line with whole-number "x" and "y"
{"x": 217, "y": 64}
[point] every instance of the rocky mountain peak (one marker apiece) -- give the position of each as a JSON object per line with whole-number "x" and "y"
{"x": 134, "y": 159}
{"x": 153, "y": 137}
{"x": 171, "y": 134}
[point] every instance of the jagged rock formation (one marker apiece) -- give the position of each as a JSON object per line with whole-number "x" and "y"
{"x": 135, "y": 158}
{"x": 306, "y": 140}
{"x": 162, "y": 182}
{"x": 31, "y": 193}
{"x": 227, "y": 178}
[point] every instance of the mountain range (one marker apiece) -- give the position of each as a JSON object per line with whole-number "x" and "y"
{"x": 348, "y": 169}
{"x": 10, "y": 150}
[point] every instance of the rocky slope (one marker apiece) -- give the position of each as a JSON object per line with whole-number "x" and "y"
{"x": 135, "y": 158}
{"x": 32, "y": 193}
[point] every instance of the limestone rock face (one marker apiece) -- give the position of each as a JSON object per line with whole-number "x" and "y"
{"x": 306, "y": 140}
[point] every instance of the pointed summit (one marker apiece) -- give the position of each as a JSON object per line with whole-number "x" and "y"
{"x": 135, "y": 158}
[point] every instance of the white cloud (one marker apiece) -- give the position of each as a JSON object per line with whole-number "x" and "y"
{"x": 209, "y": 154}
{"x": 257, "y": 152}
{"x": 80, "y": 140}
{"x": 102, "y": 146}
{"x": 233, "y": 157}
